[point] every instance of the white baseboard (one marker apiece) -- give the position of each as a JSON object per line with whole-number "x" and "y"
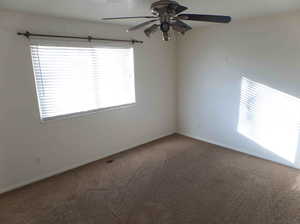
{"x": 208, "y": 141}
{"x": 235, "y": 149}
{"x": 62, "y": 170}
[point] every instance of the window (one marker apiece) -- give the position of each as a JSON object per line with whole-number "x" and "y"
{"x": 71, "y": 80}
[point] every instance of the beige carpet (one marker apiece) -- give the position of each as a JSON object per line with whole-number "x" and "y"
{"x": 175, "y": 180}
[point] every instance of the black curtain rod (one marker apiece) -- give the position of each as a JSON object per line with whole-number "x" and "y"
{"x": 89, "y": 38}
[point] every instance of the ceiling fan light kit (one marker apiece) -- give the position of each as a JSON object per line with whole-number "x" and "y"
{"x": 167, "y": 14}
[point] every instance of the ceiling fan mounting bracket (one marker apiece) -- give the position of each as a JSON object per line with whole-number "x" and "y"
{"x": 162, "y": 6}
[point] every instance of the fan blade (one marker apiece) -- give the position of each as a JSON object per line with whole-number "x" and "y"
{"x": 141, "y": 25}
{"x": 205, "y": 18}
{"x": 152, "y": 29}
{"x": 180, "y": 26}
{"x": 133, "y": 17}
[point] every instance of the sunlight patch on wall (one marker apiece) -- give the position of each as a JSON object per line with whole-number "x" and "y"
{"x": 270, "y": 118}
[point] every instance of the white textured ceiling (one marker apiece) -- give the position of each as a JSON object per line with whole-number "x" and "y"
{"x": 94, "y": 10}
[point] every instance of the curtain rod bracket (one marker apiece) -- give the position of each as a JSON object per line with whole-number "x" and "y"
{"x": 27, "y": 34}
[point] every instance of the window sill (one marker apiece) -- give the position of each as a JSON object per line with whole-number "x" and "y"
{"x": 90, "y": 112}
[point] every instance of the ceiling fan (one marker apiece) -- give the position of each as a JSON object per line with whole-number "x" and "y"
{"x": 167, "y": 14}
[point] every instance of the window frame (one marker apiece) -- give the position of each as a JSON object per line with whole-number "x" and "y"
{"x": 63, "y": 43}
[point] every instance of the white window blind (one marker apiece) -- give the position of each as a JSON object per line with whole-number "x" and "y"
{"x": 70, "y": 80}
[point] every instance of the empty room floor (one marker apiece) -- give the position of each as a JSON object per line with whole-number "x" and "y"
{"x": 172, "y": 180}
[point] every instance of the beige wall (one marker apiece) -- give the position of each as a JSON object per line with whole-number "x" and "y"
{"x": 210, "y": 63}
{"x": 213, "y": 60}
{"x": 31, "y": 150}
